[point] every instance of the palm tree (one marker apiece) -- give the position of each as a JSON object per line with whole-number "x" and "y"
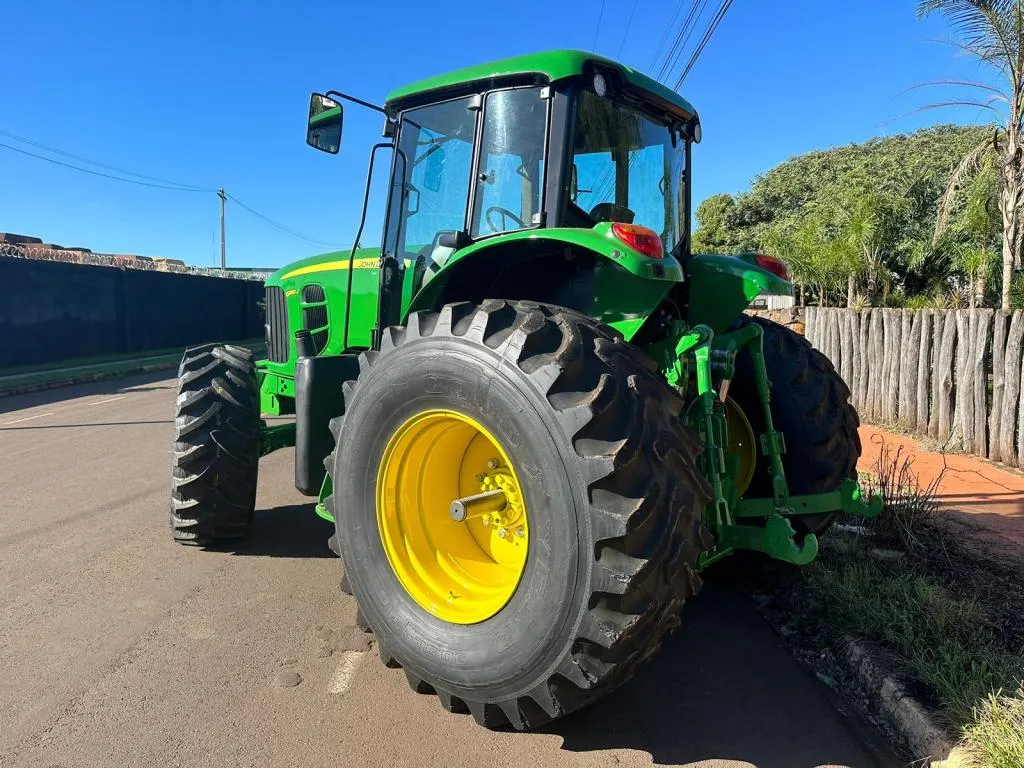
{"x": 871, "y": 229}
{"x": 993, "y": 32}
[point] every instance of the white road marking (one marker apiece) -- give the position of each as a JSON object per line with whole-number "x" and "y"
{"x": 28, "y": 418}
{"x": 348, "y": 663}
{"x": 108, "y": 400}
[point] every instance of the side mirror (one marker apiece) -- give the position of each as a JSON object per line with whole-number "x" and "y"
{"x": 323, "y": 130}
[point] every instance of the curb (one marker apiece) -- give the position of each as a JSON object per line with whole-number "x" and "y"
{"x": 82, "y": 378}
{"x": 926, "y": 739}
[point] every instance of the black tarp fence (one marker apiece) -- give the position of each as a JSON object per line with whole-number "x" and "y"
{"x": 54, "y": 311}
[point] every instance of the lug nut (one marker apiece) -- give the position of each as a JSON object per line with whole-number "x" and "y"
{"x": 486, "y": 521}
{"x": 502, "y": 533}
{"x": 492, "y": 464}
{"x": 520, "y": 533}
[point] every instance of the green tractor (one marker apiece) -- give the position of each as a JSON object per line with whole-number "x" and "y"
{"x": 533, "y": 415}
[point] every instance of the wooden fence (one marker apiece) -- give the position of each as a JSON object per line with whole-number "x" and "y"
{"x": 955, "y": 376}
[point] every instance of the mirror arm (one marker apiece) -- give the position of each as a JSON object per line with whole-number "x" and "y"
{"x": 353, "y": 99}
{"x": 359, "y": 234}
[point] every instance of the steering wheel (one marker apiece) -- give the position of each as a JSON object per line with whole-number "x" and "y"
{"x": 505, "y": 214}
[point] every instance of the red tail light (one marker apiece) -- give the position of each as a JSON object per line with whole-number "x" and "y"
{"x": 776, "y": 266}
{"x": 639, "y": 238}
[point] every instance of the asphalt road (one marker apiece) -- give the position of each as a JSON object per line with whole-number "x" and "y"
{"x": 120, "y": 648}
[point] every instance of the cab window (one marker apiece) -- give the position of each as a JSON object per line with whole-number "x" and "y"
{"x": 511, "y": 172}
{"x": 431, "y": 193}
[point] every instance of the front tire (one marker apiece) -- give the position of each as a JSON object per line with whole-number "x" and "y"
{"x": 611, "y": 493}
{"x": 216, "y": 445}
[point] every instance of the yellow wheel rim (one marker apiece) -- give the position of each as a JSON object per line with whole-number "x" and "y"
{"x": 460, "y": 570}
{"x": 742, "y": 444}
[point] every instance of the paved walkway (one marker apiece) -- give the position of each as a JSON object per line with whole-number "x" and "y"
{"x": 983, "y": 493}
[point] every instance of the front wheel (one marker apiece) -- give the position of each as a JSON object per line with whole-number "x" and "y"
{"x": 216, "y": 445}
{"x": 518, "y": 507}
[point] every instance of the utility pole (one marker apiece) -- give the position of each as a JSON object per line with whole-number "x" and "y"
{"x": 223, "y": 248}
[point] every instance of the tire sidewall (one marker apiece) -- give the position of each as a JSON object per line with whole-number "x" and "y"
{"x": 520, "y": 645}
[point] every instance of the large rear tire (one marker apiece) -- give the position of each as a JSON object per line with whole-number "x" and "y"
{"x": 611, "y": 496}
{"x": 811, "y": 407}
{"x": 216, "y": 445}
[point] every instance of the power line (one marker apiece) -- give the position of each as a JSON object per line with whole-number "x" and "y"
{"x": 54, "y": 150}
{"x": 712, "y": 27}
{"x": 600, "y": 17}
{"x": 163, "y": 183}
{"x": 626, "y": 33}
{"x": 682, "y": 38}
{"x": 104, "y": 175}
{"x": 280, "y": 227}
{"x": 664, "y": 35}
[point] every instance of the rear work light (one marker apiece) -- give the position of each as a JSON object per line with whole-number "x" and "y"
{"x": 642, "y": 239}
{"x": 774, "y": 265}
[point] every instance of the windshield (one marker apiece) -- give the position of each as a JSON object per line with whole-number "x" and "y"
{"x": 626, "y": 167}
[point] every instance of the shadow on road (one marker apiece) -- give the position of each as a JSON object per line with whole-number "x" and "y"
{"x": 291, "y": 531}
{"x": 160, "y": 380}
{"x": 85, "y": 426}
{"x": 724, "y": 687}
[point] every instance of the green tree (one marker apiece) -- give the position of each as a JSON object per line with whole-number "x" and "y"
{"x": 816, "y": 257}
{"x": 992, "y": 31}
{"x": 825, "y": 185}
{"x": 715, "y": 233}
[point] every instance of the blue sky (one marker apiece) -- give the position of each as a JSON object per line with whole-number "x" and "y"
{"x": 215, "y": 94}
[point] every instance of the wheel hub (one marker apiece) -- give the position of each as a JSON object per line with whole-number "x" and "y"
{"x": 451, "y": 516}
{"x": 742, "y": 444}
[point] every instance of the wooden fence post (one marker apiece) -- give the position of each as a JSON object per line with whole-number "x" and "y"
{"x": 846, "y": 349}
{"x": 1020, "y": 423}
{"x": 910, "y": 343}
{"x": 924, "y": 371}
{"x": 963, "y": 399}
{"x": 856, "y": 370}
{"x": 999, "y": 328}
{"x": 979, "y": 380}
{"x": 1012, "y": 389}
{"x": 890, "y": 390}
{"x": 864, "y": 383}
{"x": 938, "y": 330}
{"x": 945, "y": 375}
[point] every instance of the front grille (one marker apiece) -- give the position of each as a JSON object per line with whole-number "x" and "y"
{"x": 277, "y": 325}
{"x": 314, "y": 318}
{"x": 313, "y": 293}
{"x": 314, "y": 315}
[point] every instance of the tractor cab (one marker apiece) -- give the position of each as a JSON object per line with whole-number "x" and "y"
{"x": 566, "y": 151}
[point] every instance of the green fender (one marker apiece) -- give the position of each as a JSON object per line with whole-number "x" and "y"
{"x": 627, "y": 284}
{"x": 721, "y": 287}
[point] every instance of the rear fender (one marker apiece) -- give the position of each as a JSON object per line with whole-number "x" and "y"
{"x": 721, "y": 287}
{"x": 588, "y": 270}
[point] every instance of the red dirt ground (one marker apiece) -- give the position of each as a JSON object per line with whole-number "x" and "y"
{"x": 981, "y": 493}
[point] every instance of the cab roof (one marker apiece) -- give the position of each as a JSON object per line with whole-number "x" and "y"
{"x": 550, "y": 65}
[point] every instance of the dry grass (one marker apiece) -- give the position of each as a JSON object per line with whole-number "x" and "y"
{"x": 996, "y": 738}
{"x": 908, "y": 506}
